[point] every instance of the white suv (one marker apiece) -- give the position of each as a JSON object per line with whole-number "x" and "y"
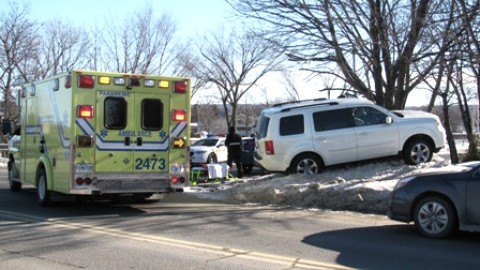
{"x": 304, "y": 136}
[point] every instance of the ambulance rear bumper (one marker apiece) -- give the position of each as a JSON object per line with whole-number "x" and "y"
{"x": 118, "y": 184}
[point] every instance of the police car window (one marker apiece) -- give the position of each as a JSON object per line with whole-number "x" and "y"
{"x": 333, "y": 119}
{"x": 115, "y": 113}
{"x": 291, "y": 125}
{"x": 152, "y": 114}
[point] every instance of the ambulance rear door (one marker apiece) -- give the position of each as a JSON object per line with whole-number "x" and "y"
{"x": 132, "y": 132}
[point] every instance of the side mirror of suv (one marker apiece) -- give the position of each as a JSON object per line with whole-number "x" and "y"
{"x": 388, "y": 120}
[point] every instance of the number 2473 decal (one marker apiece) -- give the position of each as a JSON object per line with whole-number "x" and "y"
{"x": 150, "y": 164}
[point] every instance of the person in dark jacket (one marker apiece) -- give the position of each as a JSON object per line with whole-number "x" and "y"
{"x": 234, "y": 145}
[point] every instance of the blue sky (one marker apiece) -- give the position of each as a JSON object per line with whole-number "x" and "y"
{"x": 192, "y": 16}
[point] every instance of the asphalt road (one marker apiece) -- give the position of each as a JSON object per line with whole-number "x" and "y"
{"x": 184, "y": 232}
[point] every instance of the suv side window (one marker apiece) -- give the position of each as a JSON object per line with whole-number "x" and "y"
{"x": 333, "y": 119}
{"x": 368, "y": 116}
{"x": 292, "y": 125}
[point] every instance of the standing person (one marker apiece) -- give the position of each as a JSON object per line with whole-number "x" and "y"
{"x": 234, "y": 145}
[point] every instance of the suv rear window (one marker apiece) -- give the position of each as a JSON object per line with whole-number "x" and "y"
{"x": 262, "y": 126}
{"x": 292, "y": 125}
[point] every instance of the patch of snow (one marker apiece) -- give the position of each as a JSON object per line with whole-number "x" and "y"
{"x": 360, "y": 187}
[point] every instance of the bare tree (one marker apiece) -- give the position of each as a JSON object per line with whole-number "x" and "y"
{"x": 380, "y": 48}
{"x": 206, "y": 115}
{"x": 233, "y": 63}
{"x": 17, "y": 40}
{"x": 143, "y": 44}
{"x": 63, "y": 48}
{"x": 290, "y": 85}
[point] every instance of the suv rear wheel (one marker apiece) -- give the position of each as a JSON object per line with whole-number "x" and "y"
{"x": 306, "y": 164}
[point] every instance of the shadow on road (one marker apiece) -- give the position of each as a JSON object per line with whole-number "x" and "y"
{"x": 394, "y": 246}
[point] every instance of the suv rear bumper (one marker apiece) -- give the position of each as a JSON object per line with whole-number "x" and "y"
{"x": 257, "y": 161}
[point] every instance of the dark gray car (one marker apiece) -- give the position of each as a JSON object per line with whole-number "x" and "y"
{"x": 441, "y": 202}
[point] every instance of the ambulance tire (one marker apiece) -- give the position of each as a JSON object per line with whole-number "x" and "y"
{"x": 43, "y": 195}
{"x": 14, "y": 185}
{"x": 141, "y": 197}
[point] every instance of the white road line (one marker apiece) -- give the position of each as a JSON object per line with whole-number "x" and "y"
{"x": 224, "y": 251}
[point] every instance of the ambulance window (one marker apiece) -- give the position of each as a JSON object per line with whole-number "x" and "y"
{"x": 115, "y": 113}
{"x": 152, "y": 114}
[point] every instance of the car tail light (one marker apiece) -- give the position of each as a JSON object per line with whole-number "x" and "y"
{"x": 269, "y": 148}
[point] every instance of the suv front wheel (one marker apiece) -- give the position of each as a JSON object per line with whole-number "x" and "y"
{"x": 306, "y": 164}
{"x": 417, "y": 151}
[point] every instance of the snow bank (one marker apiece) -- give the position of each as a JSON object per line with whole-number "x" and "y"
{"x": 361, "y": 187}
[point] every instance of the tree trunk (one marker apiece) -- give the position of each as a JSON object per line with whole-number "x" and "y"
{"x": 451, "y": 141}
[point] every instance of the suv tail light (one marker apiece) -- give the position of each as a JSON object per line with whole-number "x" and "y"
{"x": 269, "y": 148}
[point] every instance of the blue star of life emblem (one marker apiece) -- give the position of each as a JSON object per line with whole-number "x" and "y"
{"x": 162, "y": 134}
{"x": 104, "y": 133}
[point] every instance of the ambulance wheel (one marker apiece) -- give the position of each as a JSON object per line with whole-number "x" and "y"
{"x": 141, "y": 197}
{"x": 14, "y": 185}
{"x": 43, "y": 195}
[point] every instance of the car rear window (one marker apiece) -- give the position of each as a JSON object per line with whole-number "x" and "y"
{"x": 292, "y": 125}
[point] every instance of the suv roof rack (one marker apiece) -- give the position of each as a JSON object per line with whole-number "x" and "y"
{"x": 298, "y": 101}
{"x": 310, "y": 105}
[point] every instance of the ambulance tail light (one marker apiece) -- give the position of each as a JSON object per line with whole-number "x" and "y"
{"x": 180, "y": 87}
{"x": 177, "y": 180}
{"x": 269, "y": 148}
{"x": 86, "y": 81}
{"x": 179, "y": 115}
{"x": 85, "y": 111}
{"x": 68, "y": 81}
{"x": 84, "y": 141}
{"x": 80, "y": 181}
